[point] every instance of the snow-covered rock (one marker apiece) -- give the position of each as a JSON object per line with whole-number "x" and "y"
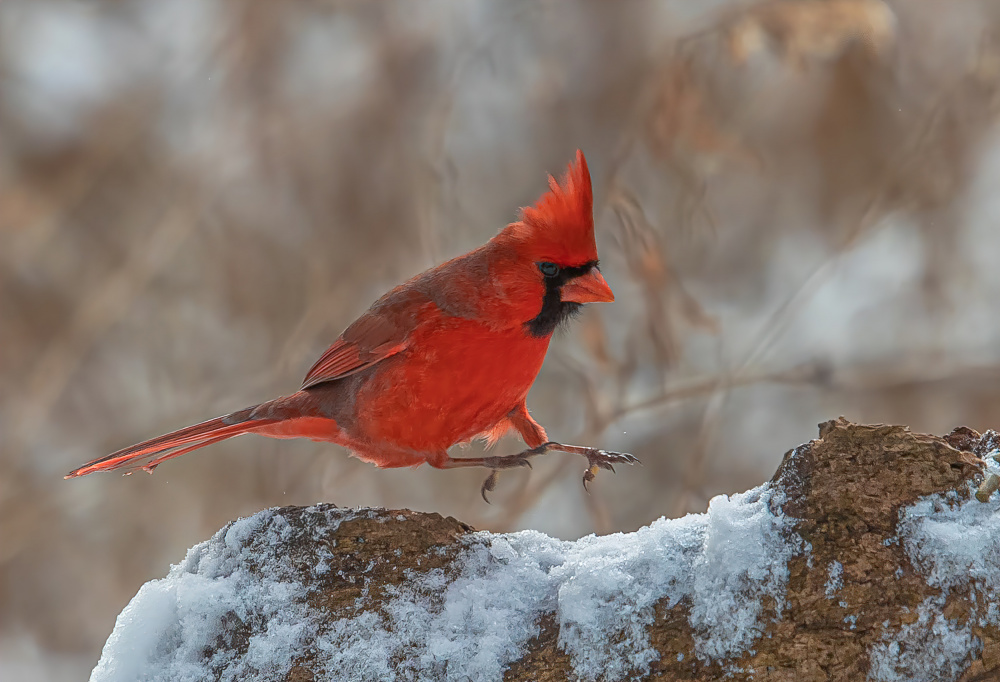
{"x": 866, "y": 555}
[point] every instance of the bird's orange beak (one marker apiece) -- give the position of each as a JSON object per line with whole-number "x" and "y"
{"x": 588, "y": 288}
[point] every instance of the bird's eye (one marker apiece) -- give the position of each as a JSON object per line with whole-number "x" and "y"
{"x": 549, "y": 269}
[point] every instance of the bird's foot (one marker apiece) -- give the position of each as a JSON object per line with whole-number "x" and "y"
{"x": 603, "y": 459}
{"x": 596, "y": 459}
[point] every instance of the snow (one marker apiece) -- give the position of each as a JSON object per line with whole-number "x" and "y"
{"x": 471, "y": 621}
{"x": 835, "y": 581}
{"x": 934, "y": 647}
{"x": 173, "y": 629}
{"x": 747, "y": 549}
{"x": 954, "y": 542}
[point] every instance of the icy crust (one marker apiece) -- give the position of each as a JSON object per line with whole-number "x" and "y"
{"x": 954, "y": 542}
{"x": 474, "y": 619}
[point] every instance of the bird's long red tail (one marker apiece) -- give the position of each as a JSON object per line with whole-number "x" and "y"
{"x": 149, "y": 454}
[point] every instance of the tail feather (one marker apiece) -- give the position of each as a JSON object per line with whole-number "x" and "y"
{"x": 149, "y": 454}
{"x": 152, "y": 464}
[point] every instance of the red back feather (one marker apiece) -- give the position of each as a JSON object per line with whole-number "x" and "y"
{"x": 560, "y": 226}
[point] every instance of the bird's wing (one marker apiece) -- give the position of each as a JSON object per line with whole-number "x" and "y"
{"x": 449, "y": 290}
{"x": 378, "y": 334}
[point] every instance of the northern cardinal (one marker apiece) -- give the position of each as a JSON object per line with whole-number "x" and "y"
{"x": 448, "y": 356}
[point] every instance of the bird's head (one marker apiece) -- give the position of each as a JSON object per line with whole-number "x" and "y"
{"x": 555, "y": 252}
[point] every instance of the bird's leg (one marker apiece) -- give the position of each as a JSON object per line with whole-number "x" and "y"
{"x": 521, "y": 459}
{"x": 596, "y": 459}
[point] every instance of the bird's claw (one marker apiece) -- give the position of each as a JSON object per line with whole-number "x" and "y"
{"x": 498, "y": 463}
{"x": 602, "y": 459}
{"x": 488, "y": 485}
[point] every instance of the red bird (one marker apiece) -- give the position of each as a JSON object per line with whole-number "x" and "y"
{"x": 448, "y": 356}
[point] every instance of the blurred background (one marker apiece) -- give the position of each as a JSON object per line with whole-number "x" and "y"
{"x": 796, "y": 206}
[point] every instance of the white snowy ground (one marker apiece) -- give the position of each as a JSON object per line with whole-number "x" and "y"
{"x": 602, "y": 591}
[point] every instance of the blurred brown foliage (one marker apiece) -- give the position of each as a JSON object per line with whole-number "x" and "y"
{"x": 795, "y": 207}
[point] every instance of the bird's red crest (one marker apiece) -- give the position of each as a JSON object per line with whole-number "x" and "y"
{"x": 560, "y": 226}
